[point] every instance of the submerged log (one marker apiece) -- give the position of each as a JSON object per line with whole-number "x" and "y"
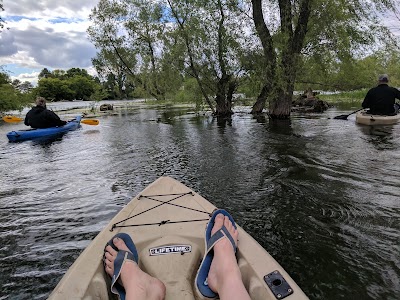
{"x": 105, "y": 107}
{"x": 309, "y": 102}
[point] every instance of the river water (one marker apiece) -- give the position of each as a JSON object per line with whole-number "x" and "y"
{"x": 321, "y": 195}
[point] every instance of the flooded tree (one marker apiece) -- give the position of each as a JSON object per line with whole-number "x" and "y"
{"x": 325, "y": 28}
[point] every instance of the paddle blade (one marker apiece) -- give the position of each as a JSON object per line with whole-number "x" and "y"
{"x": 12, "y": 119}
{"x": 341, "y": 117}
{"x": 90, "y": 122}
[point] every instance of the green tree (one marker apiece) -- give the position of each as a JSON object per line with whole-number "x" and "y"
{"x": 156, "y": 54}
{"x": 81, "y": 86}
{"x": 99, "y": 93}
{"x": 126, "y": 33}
{"x": 4, "y": 78}
{"x": 77, "y": 72}
{"x": 10, "y": 97}
{"x": 45, "y": 73}
{"x": 112, "y": 71}
{"x": 213, "y": 39}
{"x": 55, "y": 89}
{"x": 331, "y": 29}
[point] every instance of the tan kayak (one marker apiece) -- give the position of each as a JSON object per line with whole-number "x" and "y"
{"x": 167, "y": 223}
{"x": 367, "y": 119}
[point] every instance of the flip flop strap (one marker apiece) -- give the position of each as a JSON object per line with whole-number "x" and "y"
{"x": 119, "y": 261}
{"x": 220, "y": 234}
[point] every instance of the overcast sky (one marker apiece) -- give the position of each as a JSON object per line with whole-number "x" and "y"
{"x": 45, "y": 34}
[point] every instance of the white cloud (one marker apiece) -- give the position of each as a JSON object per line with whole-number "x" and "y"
{"x": 46, "y": 34}
{"x": 31, "y": 77}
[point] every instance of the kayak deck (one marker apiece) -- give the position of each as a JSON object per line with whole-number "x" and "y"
{"x": 167, "y": 223}
{"x": 367, "y": 119}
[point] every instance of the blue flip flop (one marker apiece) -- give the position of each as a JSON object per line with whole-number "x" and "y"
{"x": 122, "y": 257}
{"x": 202, "y": 273}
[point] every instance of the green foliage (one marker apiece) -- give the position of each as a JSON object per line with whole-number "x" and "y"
{"x": 346, "y": 100}
{"x": 140, "y": 93}
{"x": 82, "y": 86}
{"x": 54, "y": 89}
{"x": 126, "y": 33}
{"x": 74, "y": 83}
{"x": 11, "y": 99}
{"x": 4, "y": 78}
{"x": 77, "y": 72}
{"x": 45, "y": 73}
{"x": 189, "y": 93}
{"x": 350, "y": 74}
{"x": 99, "y": 93}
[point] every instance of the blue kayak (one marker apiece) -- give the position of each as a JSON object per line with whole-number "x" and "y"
{"x": 31, "y": 134}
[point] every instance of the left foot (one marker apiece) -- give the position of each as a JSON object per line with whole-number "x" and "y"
{"x": 137, "y": 284}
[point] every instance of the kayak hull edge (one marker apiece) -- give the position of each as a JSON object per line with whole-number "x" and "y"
{"x": 367, "y": 119}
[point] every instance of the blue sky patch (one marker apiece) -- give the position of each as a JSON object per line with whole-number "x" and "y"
{"x": 19, "y": 18}
{"x": 15, "y": 70}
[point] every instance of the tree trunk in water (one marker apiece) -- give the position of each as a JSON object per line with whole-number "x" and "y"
{"x": 222, "y": 109}
{"x": 293, "y": 39}
{"x": 280, "y": 108}
{"x": 259, "y": 106}
{"x": 225, "y": 89}
{"x": 269, "y": 54}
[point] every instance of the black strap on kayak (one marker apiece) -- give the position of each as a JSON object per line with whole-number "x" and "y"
{"x": 151, "y": 197}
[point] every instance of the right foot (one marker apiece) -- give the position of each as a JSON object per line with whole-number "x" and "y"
{"x": 224, "y": 277}
{"x": 224, "y": 261}
{"x": 137, "y": 284}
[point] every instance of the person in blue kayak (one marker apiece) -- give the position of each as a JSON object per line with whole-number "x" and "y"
{"x": 381, "y": 100}
{"x": 40, "y": 117}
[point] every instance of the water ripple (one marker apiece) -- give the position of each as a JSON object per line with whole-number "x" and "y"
{"x": 320, "y": 195}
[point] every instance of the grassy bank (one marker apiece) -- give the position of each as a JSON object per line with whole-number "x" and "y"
{"x": 345, "y": 99}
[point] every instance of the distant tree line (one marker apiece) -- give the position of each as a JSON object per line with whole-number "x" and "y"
{"x": 76, "y": 83}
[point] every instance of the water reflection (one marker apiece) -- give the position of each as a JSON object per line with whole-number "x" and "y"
{"x": 379, "y": 136}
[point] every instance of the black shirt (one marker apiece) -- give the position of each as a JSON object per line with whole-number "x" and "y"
{"x": 40, "y": 117}
{"x": 380, "y": 99}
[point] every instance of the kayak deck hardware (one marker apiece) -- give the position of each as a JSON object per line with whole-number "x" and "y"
{"x": 152, "y": 197}
{"x": 278, "y": 285}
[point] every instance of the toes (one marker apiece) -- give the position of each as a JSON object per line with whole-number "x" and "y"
{"x": 218, "y": 222}
{"x": 228, "y": 223}
{"x": 109, "y": 256}
{"x": 120, "y": 244}
{"x": 111, "y": 250}
{"x": 109, "y": 266}
{"x": 109, "y": 270}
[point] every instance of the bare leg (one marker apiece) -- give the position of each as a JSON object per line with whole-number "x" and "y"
{"x": 224, "y": 277}
{"x": 138, "y": 284}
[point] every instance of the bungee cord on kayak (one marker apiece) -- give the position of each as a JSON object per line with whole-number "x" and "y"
{"x": 151, "y": 197}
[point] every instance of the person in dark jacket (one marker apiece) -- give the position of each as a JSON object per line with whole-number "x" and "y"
{"x": 381, "y": 99}
{"x": 40, "y": 117}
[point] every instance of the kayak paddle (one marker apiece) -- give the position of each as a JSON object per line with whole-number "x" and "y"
{"x": 13, "y": 119}
{"x": 344, "y": 117}
{"x": 90, "y": 122}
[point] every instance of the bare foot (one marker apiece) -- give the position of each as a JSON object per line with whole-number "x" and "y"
{"x": 224, "y": 277}
{"x": 137, "y": 284}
